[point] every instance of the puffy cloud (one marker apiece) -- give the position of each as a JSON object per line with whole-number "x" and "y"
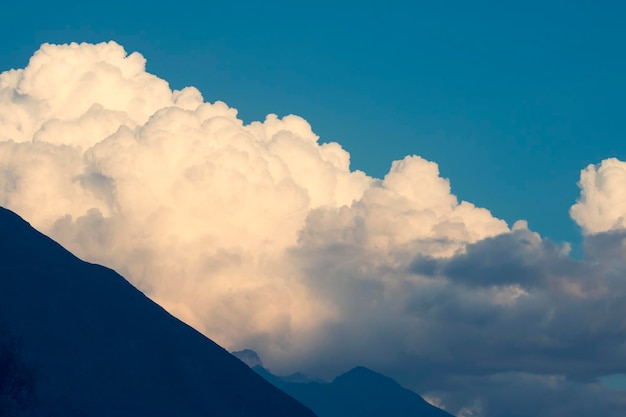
{"x": 261, "y": 236}
{"x": 193, "y": 206}
{"x": 602, "y": 204}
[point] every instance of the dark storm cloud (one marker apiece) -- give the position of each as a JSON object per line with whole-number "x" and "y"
{"x": 517, "y": 258}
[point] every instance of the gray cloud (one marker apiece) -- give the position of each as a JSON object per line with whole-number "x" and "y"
{"x": 456, "y": 327}
{"x": 519, "y": 258}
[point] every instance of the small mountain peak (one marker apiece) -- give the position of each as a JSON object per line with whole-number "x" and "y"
{"x": 363, "y": 375}
{"x": 300, "y": 378}
{"x": 361, "y": 370}
{"x": 249, "y": 357}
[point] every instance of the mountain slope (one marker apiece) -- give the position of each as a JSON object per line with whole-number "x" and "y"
{"x": 99, "y": 347}
{"x": 359, "y": 392}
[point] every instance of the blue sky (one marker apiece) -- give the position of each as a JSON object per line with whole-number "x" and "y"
{"x": 511, "y": 101}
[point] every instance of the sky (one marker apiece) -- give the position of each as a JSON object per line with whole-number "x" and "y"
{"x": 327, "y": 235}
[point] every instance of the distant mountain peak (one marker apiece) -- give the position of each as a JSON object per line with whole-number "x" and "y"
{"x": 249, "y": 357}
{"x": 361, "y": 370}
{"x": 364, "y": 375}
{"x": 358, "y": 392}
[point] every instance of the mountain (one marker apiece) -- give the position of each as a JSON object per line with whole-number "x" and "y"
{"x": 359, "y": 392}
{"x": 93, "y": 345}
{"x": 249, "y": 357}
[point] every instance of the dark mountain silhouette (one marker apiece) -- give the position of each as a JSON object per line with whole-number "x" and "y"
{"x": 249, "y": 357}
{"x": 359, "y": 392}
{"x": 17, "y": 378}
{"x": 99, "y": 347}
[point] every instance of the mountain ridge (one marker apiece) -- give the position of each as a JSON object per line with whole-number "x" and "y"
{"x": 358, "y": 392}
{"x": 101, "y": 347}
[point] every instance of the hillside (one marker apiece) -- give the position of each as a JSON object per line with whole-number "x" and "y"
{"x": 98, "y": 347}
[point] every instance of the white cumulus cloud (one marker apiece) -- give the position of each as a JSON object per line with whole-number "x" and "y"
{"x": 195, "y": 207}
{"x": 602, "y": 203}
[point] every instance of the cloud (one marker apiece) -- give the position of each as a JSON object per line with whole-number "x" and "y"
{"x": 520, "y": 258}
{"x": 510, "y": 315}
{"x": 262, "y": 237}
{"x": 526, "y": 395}
{"x": 602, "y": 203}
